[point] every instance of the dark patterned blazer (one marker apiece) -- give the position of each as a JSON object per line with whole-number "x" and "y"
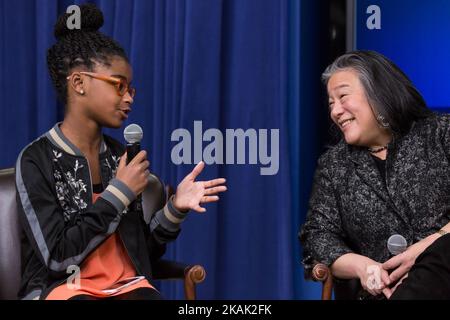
{"x": 353, "y": 209}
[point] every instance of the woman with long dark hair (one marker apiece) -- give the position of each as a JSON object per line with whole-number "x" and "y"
{"x": 388, "y": 175}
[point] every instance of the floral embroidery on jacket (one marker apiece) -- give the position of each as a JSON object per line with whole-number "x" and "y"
{"x": 113, "y": 169}
{"x": 69, "y": 187}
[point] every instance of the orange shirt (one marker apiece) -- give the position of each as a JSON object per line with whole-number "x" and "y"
{"x": 105, "y": 266}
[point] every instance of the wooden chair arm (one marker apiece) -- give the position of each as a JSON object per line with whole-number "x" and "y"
{"x": 193, "y": 275}
{"x": 171, "y": 270}
{"x": 322, "y": 273}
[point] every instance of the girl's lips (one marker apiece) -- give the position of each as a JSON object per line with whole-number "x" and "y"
{"x": 123, "y": 113}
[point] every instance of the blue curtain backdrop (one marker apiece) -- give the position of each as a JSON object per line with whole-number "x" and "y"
{"x": 228, "y": 63}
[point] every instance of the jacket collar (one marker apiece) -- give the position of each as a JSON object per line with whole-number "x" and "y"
{"x": 58, "y": 139}
{"x": 361, "y": 157}
{"x": 366, "y": 169}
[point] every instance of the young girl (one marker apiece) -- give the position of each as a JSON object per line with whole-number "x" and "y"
{"x": 74, "y": 185}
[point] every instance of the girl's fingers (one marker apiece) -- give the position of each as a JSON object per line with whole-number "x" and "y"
{"x": 199, "y": 209}
{"x": 209, "y": 199}
{"x": 213, "y": 183}
{"x": 197, "y": 170}
{"x": 215, "y": 190}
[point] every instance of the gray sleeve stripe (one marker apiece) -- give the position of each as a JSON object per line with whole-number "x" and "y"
{"x": 114, "y": 200}
{"x": 160, "y": 219}
{"x": 29, "y": 211}
{"x": 33, "y": 295}
{"x": 177, "y": 214}
{"x": 169, "y": 216}
{"x": 118, "y": 194}
{"x": 122, "y": 187}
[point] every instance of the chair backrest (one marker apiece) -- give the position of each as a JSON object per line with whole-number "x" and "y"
{"x": 153, "y": 199}
{"x": 9, "y": 237}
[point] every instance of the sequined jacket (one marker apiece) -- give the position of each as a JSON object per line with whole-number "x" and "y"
{"x": 353, "y": 208}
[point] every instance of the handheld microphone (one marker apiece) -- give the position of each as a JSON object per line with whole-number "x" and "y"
{"x": 133, "y": 134}
{"x": 396, "y": 244}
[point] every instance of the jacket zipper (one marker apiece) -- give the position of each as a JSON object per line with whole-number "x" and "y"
{"x": 129, "y": 255}
{"x": 90, "y": 177}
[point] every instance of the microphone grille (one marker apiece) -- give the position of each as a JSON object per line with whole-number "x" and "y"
{"x": 396, "y": 244}
{"x": 133, "y": 133}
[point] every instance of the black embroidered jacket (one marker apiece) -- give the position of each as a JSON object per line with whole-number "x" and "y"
{"x": 60, "y": 224}
{"x": 353, "y": 209}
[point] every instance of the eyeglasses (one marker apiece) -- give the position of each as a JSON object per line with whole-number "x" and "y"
{"x": 121, "y": 85}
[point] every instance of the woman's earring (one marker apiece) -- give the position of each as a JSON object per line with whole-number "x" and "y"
{"x": 382, "y": 121}
{"x": 81, "y": 92}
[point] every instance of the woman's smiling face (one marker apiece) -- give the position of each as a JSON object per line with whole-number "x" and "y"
{"x": 350, "y": 110}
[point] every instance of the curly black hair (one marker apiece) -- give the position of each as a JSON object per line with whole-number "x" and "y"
{"x": 80, "y": 47}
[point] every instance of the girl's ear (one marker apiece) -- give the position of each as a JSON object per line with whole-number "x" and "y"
{"x": 76, "y": 83}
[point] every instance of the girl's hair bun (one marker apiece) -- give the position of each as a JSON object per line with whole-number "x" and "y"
{"x": 91, "y": 21}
